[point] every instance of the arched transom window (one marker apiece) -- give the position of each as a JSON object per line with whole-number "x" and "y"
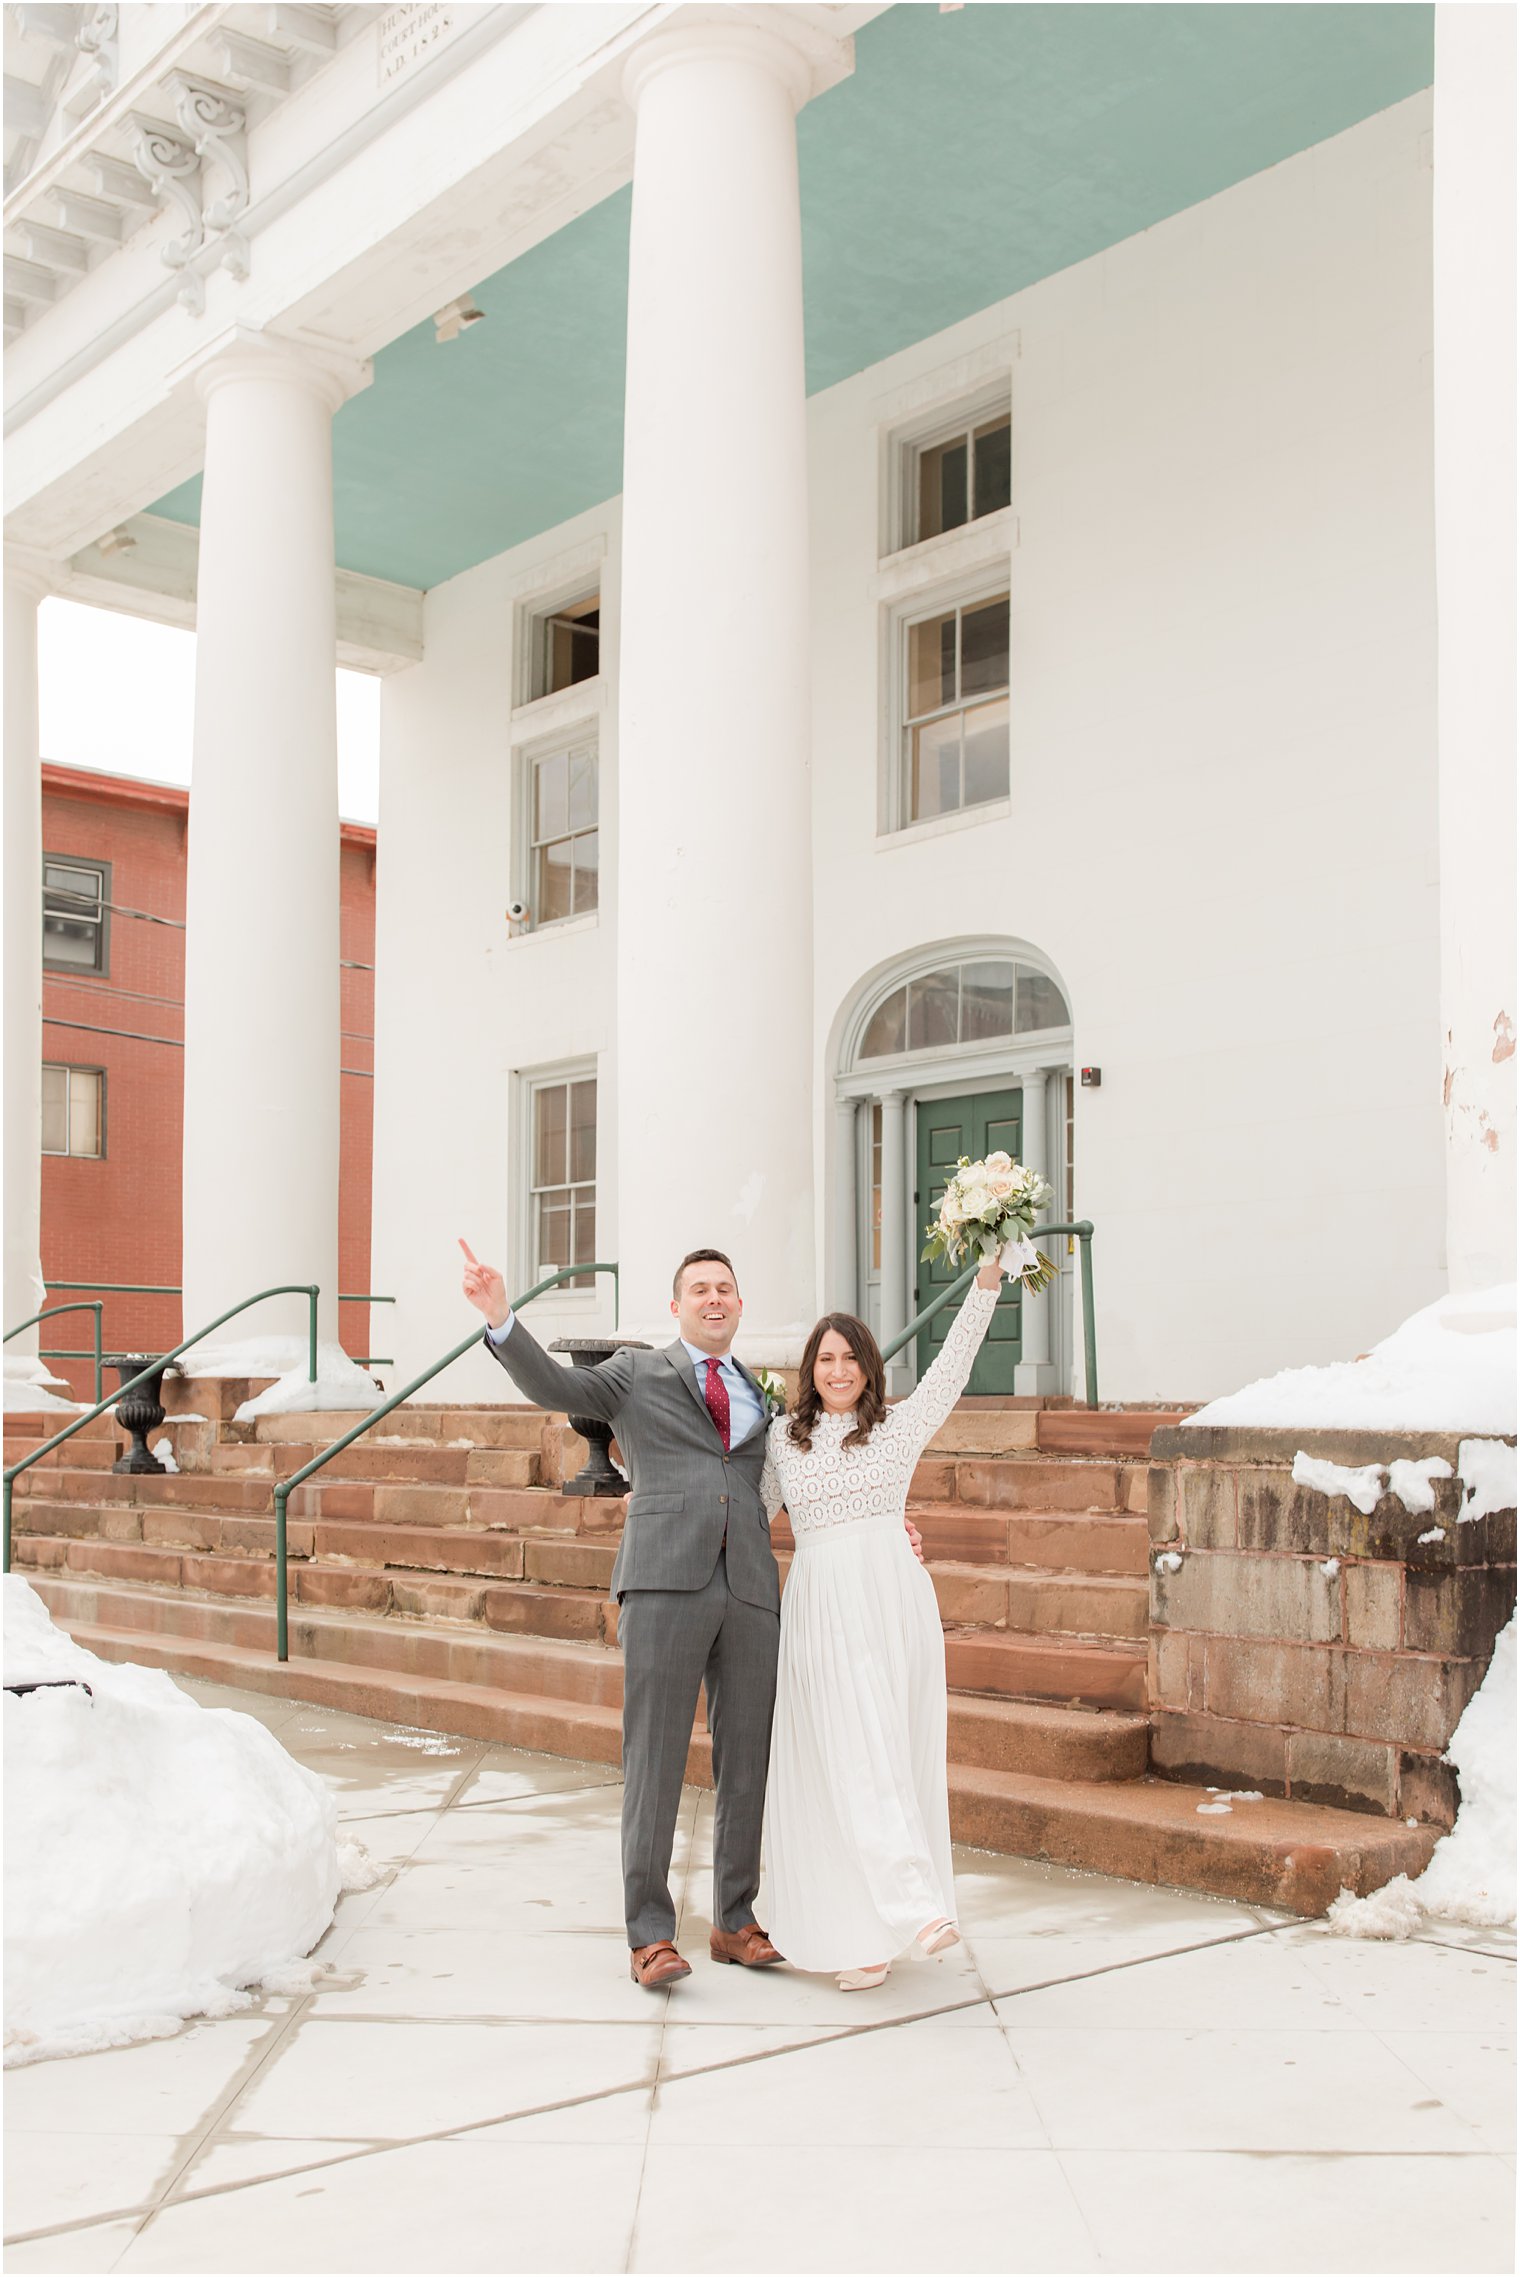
{"x": 976, "y": 1001}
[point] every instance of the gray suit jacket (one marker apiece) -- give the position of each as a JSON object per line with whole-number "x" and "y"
{"x": 684, "y": 1490}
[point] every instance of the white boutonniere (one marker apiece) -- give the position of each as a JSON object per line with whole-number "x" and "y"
{"x": 772, "y": 1392}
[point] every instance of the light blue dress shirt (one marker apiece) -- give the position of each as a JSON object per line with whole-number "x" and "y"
{"x": 744, "y": 1410}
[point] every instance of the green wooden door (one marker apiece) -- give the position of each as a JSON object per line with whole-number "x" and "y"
{"x": 947, "y": 1129}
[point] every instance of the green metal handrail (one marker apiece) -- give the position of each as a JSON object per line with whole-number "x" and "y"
{"x": 164, "y": 1289}
{"x": 49, "y": 1312}
{"x": 1082, "y": 1230}
{"x": 283, "y": 1491}
{"x": 305, "y": 1289}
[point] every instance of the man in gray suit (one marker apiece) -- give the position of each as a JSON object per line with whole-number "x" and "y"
{"x": 697, "y": 1588}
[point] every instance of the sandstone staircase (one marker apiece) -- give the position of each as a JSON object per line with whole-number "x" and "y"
{"x": 439, "y": 1577}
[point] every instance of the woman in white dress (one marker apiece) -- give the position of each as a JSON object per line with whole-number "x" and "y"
{"x": 857, "y": 1811}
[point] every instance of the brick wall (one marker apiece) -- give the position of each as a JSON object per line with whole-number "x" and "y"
{"x": 1303, "y": 1648}
{"x": 117, "y": 1217}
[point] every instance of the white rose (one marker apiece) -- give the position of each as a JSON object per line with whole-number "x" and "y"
{"x": 1000, "y": 1184}
{"x": 999, "y": 1161}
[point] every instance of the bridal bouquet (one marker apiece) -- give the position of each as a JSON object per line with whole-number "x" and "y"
{"x": 988, "y": 1210}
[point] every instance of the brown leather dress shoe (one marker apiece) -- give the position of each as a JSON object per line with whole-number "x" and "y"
{"x": 749, "y": 1946}
{"x": 655, "y": 1965}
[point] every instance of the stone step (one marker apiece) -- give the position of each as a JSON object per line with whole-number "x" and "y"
{"x": 81, "y": 1453}
{"x": 28, "y": 1429}
{"x": 158, "y": 1490}
{"x": 521, "y": 1427}
{"x": 1100, "y": 1431}
{"x": 1296, "y": 1856}
{"x": 1029, "y": 1482}
{"x": 1047, "y": 1740}
{"x": 581, "y": 1730}
{"x": 427, "y": 1465}
{"x": 1046, "y": 1668}
{"x": 234, "y": 1533}
{"x": 1110, "y": 1543}
{"x": 1042, "y": 1602}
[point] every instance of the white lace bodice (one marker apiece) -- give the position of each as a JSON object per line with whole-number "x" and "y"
{"x": 831, "y": 1485}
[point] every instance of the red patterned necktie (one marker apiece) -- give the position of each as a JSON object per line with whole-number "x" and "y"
{"x": 715, "y": 1393}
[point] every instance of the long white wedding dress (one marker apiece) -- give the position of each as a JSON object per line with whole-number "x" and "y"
{"x": 857, "y": 1813}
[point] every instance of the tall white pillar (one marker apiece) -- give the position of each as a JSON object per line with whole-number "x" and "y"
{"x": 1034, "y": 1371}
{"x": 261, "y": 943}
{"x": 894, "y": 1214}
{"x": 25, "y": 584}
{"x": 1474, "y": 306}
{"x": 715, "y": 1032}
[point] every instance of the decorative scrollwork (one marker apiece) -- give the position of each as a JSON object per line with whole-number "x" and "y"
{"x": 97, "y": 36}
{"x": 217, "y": 126}
{"x": 171, "y": 167}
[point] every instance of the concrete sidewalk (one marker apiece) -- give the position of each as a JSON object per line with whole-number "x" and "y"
{"x": 1104, "y": 2076}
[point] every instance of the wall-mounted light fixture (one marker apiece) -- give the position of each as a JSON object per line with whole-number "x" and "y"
{"x": 116, "y": 541}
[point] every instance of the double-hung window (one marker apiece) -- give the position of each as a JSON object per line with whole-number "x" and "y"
{"x": 562, "y": 1198}
{"x": 74, "y": 897}
{"x": 73, "y": 1110}
{"x": 955, "y": 707}
{"x": 563, "y": 836}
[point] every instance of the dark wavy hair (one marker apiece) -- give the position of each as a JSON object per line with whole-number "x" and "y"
{"x": 872, "y": 1404}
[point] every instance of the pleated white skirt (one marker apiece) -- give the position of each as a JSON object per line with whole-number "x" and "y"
{"x": 857, "y": 1811}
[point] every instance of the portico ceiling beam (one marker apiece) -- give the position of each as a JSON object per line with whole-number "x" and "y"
{"x": 252, "y": 63}
{"x": 93, "y": 218}
{"x": 152, "y": 572}
{"x": 313, "y": 29}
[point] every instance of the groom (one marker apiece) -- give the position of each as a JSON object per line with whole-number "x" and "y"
{"x": 697, "y": 1588}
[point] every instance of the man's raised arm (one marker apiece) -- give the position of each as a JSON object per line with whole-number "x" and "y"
{"x": 580, "y": 1391}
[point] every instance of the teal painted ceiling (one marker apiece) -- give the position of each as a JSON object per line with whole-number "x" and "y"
{"x": 969, "y": 155}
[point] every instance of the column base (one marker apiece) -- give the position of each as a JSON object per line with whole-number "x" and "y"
{"x": 1033, "y": 1379}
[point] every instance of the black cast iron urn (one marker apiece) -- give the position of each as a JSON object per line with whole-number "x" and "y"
{"x": 141, "y": 1411}
{"x": 596, "y": 1475}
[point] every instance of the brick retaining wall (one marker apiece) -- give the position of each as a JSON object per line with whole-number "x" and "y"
{"x": 1339, "y": 1686}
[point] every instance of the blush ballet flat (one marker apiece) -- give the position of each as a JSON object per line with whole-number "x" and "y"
{"x": 862, "y": 1980}
{"x": 938, "y": 1937}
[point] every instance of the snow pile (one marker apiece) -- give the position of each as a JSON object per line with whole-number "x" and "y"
{"x": 1362, "y": 1488}
{"x": 1486, "y": 1468}
{"x": 159, "y": 1855}
{"x": 1415, "y": 1483}
{"x": 24, "y": 1396}
{"x": 1471, "y": 1875}
{"x": 340, "y": 1383}
{"x": 1448, "y": 1368}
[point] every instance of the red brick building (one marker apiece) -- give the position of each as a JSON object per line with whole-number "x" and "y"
{"x": 113, "y": 1058}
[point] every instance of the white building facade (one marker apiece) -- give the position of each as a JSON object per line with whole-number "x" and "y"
{"x": 948, "y": 635}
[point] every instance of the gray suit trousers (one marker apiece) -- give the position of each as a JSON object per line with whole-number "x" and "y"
{"x": 675, "y": 1640}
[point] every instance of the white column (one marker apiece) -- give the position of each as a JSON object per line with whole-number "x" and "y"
{"x": 25, "y": 584}
{"x": 1034, "y": 1371}
{"x": 1474, "y": 310}
{"x": 261, "y": 948}
{"x": 894, "y": 1216}
{"x": 715, "y": 1034}
{"x": 843, "y": 1293}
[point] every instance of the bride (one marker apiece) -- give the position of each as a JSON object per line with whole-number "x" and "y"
{"x": 857, "y": 1813}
